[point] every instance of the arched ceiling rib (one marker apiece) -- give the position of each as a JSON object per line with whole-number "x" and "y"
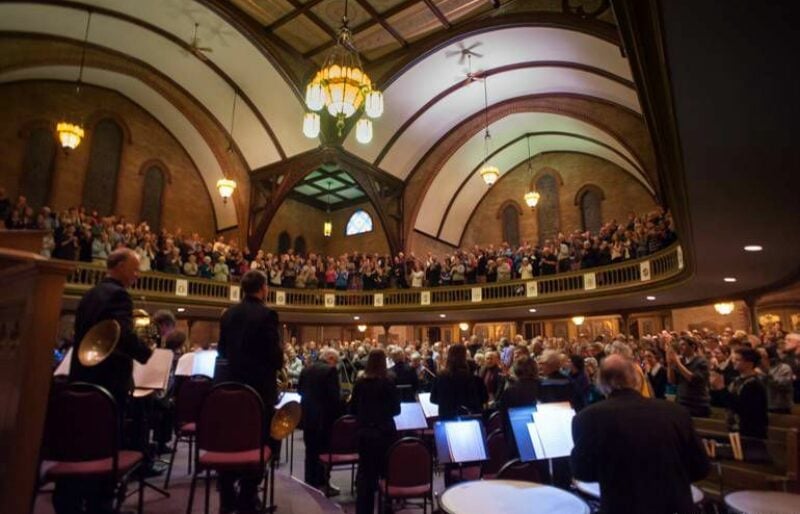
{"x": 599, "y": 71}
{"x": 457, "y": 180}
{"x": 233, "y": 54}
{"x": 161, "y": 109}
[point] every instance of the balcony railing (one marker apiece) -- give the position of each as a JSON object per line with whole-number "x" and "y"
{"x": 628, "y": 275}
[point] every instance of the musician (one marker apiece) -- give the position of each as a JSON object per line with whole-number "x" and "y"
{"x": 375, "y": 402}
{"x": 492, "y": 376}
{"x": 457, "y": 387}
{"x": 424, "y": 375}
{"x": 250, "y": 343}
{"x": 522, "y": 390}
{"x": 319, "y": 390}
{"x": 554, "y": 386}
{"x": 107, "y": 300}
{"x": 165, "y": 323}
{"x": 640, "y": 468}
{"x": 404, "y": 375}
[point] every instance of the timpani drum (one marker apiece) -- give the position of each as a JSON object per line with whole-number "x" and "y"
{"x": 593, "y": 489}
{"x": 758, "y": 502}
{"x": 509, "y": 497}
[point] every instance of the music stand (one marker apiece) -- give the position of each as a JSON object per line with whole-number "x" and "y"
{"x": 430, "y": 409}
{"x": 149, "y": 378}
{"x": 411, "y": 417}
{"x": 286, "y": 397}
{"x": 460, "y": 442}
{"x": 543, "y": 432}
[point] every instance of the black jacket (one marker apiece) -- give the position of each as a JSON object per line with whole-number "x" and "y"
{"x": 375, "y": 403}
{"x": 451, "y": 391}
{"x": 250, "y": 342}
{"x": 109, "y": 300}
{"x": 405, "y": 375}
{"x": 319, "y": 389}
{"x": 644, "y": 452}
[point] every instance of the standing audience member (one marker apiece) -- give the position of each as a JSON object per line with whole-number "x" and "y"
{"x": 690, "y": 372}
{"x": 656, "y": 373}
{"x": 746, "y": 396}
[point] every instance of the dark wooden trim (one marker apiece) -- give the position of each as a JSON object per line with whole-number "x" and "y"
{"x": 292, "y": 15}
{"x": 170, "y": 37}
{"x": 315, "y": 19}
{"x": 383, "y": 23}
{"x": 439, "y": 14}
{"x": 585, "y": 189}
{"x": 491, "y": 72}
{"x": 418, "y": 231}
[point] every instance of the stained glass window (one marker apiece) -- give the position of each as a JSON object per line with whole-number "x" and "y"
{"x": 359, "y": 223}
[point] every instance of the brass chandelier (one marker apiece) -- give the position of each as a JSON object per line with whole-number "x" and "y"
{"x": 342, "y": 87}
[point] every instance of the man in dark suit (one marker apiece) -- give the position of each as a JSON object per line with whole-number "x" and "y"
{"x": 250, "y": 343}
{"x": 644, "y": 453}
{"x": 107, "y": 300}
{"x": 321, "y": 402}
{"x": 405, "y": 377}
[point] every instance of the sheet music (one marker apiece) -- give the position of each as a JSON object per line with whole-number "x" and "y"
{"x": 465, "y": 441}
{"x": 204, "y": 363}
{"x": 547, "y": 407}
{"x": 431, "y": 410}
{"x": 288, "y": 397}
{"x": 154, "y": 374}
{"x": 538, "y": 449}
{"x": 65, "y": 364}
{"x": 411, "y": 417}
{"x": 554, "y": 431}
{"x": 185, "y": 365}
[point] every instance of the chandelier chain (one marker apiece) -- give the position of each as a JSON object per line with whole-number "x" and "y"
{"x": 85, "y": 44}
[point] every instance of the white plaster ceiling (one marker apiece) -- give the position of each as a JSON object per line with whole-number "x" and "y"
{"x": 441, "y": 70}
{"x": 578, "y": 136}
{"x": 161, "y": 109}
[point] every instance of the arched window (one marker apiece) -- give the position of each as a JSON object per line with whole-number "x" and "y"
{"x": 284, "y": 242}
{"x": 153, "y": 196}
{"x": 300, "y": 245}
{"x": 510, "y": 218}
{"x": 590, "y": 199}
{"x": 547, "y": 212}
{"x": 359, "y": 223}
{"x": 100, "y": 188}
{"x": 37, "y": 167}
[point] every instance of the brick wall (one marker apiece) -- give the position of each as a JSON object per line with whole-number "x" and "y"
{"x": 186, "y": 203}
{"x": 622, "y": 194}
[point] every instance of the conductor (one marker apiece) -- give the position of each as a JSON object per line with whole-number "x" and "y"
{"x": 250, "y": 342}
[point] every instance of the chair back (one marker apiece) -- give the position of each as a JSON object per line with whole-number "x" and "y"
{"x": 231, "y": 419}
{"x": 516, "y": 470}
{"x": 497, "y": 450}
{"x": 409, "y": 463}
{"x": 189, "y": 399}
{"x": 344, "y": 436}
{"x": 81, "y": 424}
{"x": 495, "y": 422}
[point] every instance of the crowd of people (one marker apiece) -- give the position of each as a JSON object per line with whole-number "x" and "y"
{"x": 79, "y": 234}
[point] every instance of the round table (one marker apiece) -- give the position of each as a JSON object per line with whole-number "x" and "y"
{"x": 593, "y": 489}
{"x": 509, "y": 497}
{"x": 759, "y": 502}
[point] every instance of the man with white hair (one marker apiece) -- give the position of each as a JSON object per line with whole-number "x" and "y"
{"x": 639, "y": 469}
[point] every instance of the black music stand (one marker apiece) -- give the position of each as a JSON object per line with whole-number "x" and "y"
{"x": 469, "y": 449}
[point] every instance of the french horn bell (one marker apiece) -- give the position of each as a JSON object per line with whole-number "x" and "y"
{"x": 99, "y": 342}
{"x": 285, "y": 420}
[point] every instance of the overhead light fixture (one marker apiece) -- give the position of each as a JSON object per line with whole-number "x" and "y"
{"x": 753, "y": 248}
{"x": 362, "y": 328}
{"x": 730, "y": 280}
{"x": 70, "y": 132}
{"x": 489, "y": 173}
{"x": 578, "y": 320}
{"x": 364, "y": 131}
{"x": 181, "y": 309}
{"x": 341, "y": 86}
{"x": 226, "y": 187}
{"x": 724, "y": 308}
{"x": 463, "y": 326}
{"x": 327, "y": 227}
{"x": 532, "y": 196}
{"x": 356, "y": 318}
{"x": 531, "y": 310}
{"x": 311, "y": 124}
{"x": 442, "y": 315}
{"x": 650, "y": 298}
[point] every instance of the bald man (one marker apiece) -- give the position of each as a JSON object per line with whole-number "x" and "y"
{"x": 644, "y": 453}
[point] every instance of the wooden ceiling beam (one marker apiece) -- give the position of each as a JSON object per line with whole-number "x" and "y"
{"x": 292, "y": 15}
{"x": 438, "y": 13}
{"x": 377, "y": 17}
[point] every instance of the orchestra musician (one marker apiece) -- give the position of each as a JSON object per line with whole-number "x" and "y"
{"x": 457, "y": 387}
{"x": 107, "y": 300}
{"x": 250, "y": 343}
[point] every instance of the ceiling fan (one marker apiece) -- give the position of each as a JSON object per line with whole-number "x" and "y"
{"x": 466, "y": 54}
{"x": 194, "y": 46}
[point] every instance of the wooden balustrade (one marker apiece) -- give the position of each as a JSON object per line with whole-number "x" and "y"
{"x": 658, "y": 267}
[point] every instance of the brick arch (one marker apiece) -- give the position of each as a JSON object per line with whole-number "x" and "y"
{"x": 158, "y": 163}
{"x": 586, "y": 188}
{"x": 102, "y": 114}
{"x": 546, "y": 171}
{"x": 508, "y": 203}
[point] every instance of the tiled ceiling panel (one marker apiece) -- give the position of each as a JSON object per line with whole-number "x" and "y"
{"x": 415, "y": 22}
{"x": 264, "y": 11}
{"x": 382, "y": 5}
{"x": 351, "y": 193}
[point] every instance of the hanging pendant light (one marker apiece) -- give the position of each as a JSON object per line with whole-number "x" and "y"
{"x": 532, "y": 196}
{"x": 226, "y": 187}
{"x": 489, "y": 173}
{"x": 327, "y": 227}
{"x": 341, "y": 86}
{"x": 724, "y": 308}
{"x": 70, "y": 132}
{"x": 364, "y": 130}
{"x": 311, "y": 125}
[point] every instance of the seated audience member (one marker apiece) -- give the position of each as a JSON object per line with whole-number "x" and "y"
{"x": 690, "y": 372}
{"x": 456, "y": 387}
{"x": 639, "y": 468}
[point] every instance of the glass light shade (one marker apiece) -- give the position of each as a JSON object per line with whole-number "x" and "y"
{"x": 315, "y": 98}
{"x": 373, "y": 105}
{"x": 69, "y": 134}
{"x": 490, "y": 174}
{"x": 578, "y": 320}
{"x": 362, "y": 328}
{"x": 532, "y": 198}
{"x": 327, "y": 229}
{"x": 364, "y": 131}
{"x": 724, "y": 308}
{"x": 463, "y": 326}
{"x": 311, "y": 124}
{"x": 226, "y": 187}
{"x": 343, "y": 89}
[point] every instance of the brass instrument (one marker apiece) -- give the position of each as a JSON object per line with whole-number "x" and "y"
{"x": 99, "y": 342}
{"x": 285, "y": 420}
{"x": 144, "y": 329}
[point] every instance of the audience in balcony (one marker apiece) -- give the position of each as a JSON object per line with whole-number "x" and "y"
{"x": 77, "y": 234}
